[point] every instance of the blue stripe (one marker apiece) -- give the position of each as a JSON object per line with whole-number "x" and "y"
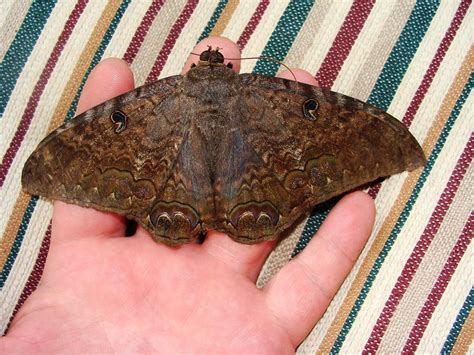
{"x": 458, "y": 323}
{"x": 404, "y": 215}
{"x": 21, "y": 48}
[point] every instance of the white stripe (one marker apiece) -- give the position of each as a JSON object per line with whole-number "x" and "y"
{"x": 46, "y": 107}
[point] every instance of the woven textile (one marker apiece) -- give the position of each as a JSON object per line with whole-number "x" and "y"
{"x": 412, "y": 287}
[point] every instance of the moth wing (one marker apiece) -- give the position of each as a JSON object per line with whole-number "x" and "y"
{"x": 304, "y": 145}
{"x": 124, "y": 156}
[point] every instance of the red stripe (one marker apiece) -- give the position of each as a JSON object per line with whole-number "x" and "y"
{"x": 253, "y": 23}
{"x": 420, "y": 249}
{"x": 171, "y": 40}
{"x": 343, "y": 42}
{"x": 35, "y": 276}
{"x": 440, "y": 286}
{"x": 38, "y": 90}
{"x": 431, "y": 72}
{"x": 142, "y": 30}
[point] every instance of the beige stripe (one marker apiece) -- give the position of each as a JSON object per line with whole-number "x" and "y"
{"x": 69, "y": 92}
{"x": 465, "y": 337}
{"x": 11, "y": 19}
{"x": 224, "y": 18}
{"x": 155, "y": 39}
{"x": 426, "y": 51}
{"x": 389, "y": 223}
{"x": 12, "y": 227}
{"x": 368, "y": 56}
{"x": 431, "y": 266}
{"x": 305, "y": 38}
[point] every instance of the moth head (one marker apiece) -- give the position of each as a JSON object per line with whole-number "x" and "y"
{"x": 211, "y": 56}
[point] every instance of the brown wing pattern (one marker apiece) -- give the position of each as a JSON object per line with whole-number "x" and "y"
{"x": 295, "y": 161}
{"x": 136, "y": 172}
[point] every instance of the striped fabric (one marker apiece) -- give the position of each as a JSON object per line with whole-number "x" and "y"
{"x": 412, "y": 288}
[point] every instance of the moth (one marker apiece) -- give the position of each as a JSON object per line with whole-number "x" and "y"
{"x": 244, "y": 154}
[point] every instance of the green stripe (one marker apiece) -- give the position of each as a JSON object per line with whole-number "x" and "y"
{"x": 21, "y": 48}
{"x": 283, "y": 36}
{"x": 212, "y": 22}
{"x": 404, "y": 215}
{"x": 458, "y": 323}
{"x": 32, "y": 204}
{"x": 402, "y": 54}
{"x": 386, "y": 85}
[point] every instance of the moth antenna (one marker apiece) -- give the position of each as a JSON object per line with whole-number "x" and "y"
{"x": 268, "y": 58}
{"x": 264, "y": 58}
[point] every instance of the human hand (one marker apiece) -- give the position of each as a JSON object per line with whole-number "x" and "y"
{"x": 101, "y": 292}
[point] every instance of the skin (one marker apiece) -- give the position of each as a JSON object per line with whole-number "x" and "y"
{"x": 103, "y": 293}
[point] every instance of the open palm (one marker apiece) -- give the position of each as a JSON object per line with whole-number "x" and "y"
{"x": 102, "y": 292}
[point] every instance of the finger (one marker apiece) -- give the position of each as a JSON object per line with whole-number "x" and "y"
{"x": 228, "y": 48}
{"x": 301, "y": 76}
{"x": 300, "y": 293}
{"x": 72, "y": 222}
{"x": 109, "y": 78}
{"x": 244, "y": 259}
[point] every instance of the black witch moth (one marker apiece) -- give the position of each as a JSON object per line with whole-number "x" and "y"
{"x": 244, "y": 154}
